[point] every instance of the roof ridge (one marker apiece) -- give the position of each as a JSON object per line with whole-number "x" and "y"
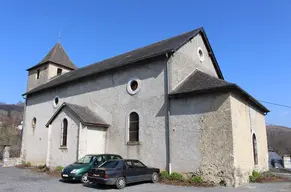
{"x": 198, "y": 70}
{"x": 90, "y": 118}
{"x": 151, "y": 51}
{"x": 204, "y": 75}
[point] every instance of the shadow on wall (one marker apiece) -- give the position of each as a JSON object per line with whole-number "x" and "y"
{"x": 199, "y": 104}
{"x": 109, "y": 79}
{"x": 193, "y": 105}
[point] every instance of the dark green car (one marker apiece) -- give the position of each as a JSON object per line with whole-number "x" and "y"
{"x": 78, "y": 170}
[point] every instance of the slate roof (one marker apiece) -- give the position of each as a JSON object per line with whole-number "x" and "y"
{"x": 199, "y": 80}
{"x": 201, "y": 83}
{"x": 58, "y": 56}
{"x": 84, "y": 114}
{"x": 154, "y": 50}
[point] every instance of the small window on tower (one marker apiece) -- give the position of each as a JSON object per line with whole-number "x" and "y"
{"x": 37, "y": 74}
{"x": 59, "y": 71}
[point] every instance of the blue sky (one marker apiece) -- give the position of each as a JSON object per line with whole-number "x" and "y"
{"x": 251, "y": 39}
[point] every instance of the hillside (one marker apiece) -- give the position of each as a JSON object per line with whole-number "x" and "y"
{"x": 11, "y": 116}
{"x": 11, "y": 107}
{"x": 279, "y": 139}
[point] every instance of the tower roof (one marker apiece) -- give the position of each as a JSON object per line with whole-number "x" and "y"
{"x": 57, "y": 55}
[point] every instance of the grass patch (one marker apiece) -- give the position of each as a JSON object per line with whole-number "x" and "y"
{"x": 59, "y": 168}
{"x": 178, "y": 179}
{"x": 255, "y": 176}
{"x": 265, "y": 177}
{"x": 196, "y": 179}
{"x": 164, "y": 175}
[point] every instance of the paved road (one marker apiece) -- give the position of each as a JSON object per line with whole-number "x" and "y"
{"x": 20, "y": 180}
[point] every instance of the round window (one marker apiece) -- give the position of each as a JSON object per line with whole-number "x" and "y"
{"x": 34, "y": 122}
{"x": 56, "y": 101}
{"x": 200, "y": 54}
{"x": 133, "y": 86}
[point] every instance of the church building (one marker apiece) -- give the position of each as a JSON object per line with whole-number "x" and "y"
{"x": 166, "y": 104}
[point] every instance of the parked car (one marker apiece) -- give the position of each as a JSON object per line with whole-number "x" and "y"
{"x": 78, "y": 170}
{"x": 121, "y": 172}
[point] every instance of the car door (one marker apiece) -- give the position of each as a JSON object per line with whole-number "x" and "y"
{"x": 130, "y": 172}
{"x": 141, "y": 170}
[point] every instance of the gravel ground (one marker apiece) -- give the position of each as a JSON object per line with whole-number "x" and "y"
{"x": 21, "y": 180}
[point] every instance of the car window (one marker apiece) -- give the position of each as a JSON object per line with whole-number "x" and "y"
{"x": 110, "y": 164}
{"x": 104, "y": 158}
{"x": 138, "y": 164}
{"x": 114, "y": 157}
{"x": 128, "y": 164}
{"x": 98, "y": 159}
{"x": 85, "y": 159}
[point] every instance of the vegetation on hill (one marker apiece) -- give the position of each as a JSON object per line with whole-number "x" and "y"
{"x": 11, "y": 116}
{"x": 279, "y": 139}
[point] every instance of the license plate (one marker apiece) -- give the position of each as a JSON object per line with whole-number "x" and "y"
{"x": 96, "y": 175}
{"x": 64, "y": 175}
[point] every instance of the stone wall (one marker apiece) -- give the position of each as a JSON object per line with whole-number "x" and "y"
{"x": 246, "y": 121}
{"x": 201, "y": 137}
{"x": 7, "y": 161}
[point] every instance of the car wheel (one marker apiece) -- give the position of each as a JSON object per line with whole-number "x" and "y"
{"x": 155, "y": 177}
{"x": 120, "y": 182}
{"x": 84, "y": 178}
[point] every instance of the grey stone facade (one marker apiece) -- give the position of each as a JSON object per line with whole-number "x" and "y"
{"x": 200, "y": 127}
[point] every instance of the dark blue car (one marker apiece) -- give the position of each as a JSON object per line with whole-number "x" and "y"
{"x": 122, "y": 172}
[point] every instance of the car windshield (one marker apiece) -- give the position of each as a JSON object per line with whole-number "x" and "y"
{"x": 85, "y": 159}
{"x": 109, "y": 164}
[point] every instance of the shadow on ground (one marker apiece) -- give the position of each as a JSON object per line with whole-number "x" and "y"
{"x": 69, "y": 182}
{"x": 108, "y": 187}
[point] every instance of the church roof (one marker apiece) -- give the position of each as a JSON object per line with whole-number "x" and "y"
{"x": 57, "y": 55}
{"x": 201, "y": 83}
{"x": 84, "y": 114}
{"x": 148, "y": 52}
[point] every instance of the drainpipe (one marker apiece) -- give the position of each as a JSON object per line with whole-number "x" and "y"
{"x": 167, "y": 118}
{"x": 23, "y": 126}
{"x": 78, "y": 141}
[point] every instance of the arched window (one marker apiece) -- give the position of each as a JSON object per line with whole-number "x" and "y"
{"x": 133, "y": 127}
{"x": 64, "y": 133}
{"x": 33, "y": 123}
{"x": 255, "y": 149}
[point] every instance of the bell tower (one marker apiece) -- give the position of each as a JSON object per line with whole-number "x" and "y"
{"x": 54, "y": 64}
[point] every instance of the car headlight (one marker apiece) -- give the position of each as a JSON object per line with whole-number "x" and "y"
{"x": 74, "y": 170}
